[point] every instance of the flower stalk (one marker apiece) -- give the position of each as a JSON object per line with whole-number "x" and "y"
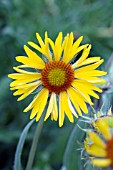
{"x": 34, "y": 143}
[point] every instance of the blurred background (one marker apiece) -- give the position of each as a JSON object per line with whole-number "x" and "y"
{"x": 19, "y": 21}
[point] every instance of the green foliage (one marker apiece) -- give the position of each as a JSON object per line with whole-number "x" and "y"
{"x": 19, "y": 21}
{"x": 72, "y": 156}
{"x": 17, "y": 160}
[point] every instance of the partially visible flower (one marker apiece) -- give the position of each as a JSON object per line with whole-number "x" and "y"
{"x": 99, "y": 144}
{"x": 64, "y": 87}
{"x": 108, "y": 118}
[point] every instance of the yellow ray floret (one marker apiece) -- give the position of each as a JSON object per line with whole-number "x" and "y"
{"x": 101, "y": 162}
{"x": 103, "y": 128}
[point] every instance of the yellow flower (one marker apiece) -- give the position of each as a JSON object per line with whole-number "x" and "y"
{"x": 99, "y": 145}
{"x": 64, "y": 86}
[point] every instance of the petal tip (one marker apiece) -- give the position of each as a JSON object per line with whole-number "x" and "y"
{"x": 60, "y": 125}
{"x": 29, "y": 42}
{"x": 9, "y": 75}
{"x": 25, "y": 46}
{"x": 31, "y": 117}
{"x": 25, "y": 110}
{"x": 81, "y": 37}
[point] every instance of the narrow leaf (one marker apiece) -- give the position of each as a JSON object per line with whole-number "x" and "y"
{"x": 17, "y": 159}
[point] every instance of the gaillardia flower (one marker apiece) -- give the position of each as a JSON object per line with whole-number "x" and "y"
{"x": 99, "y": 145}
{"x": 62, "y": 85}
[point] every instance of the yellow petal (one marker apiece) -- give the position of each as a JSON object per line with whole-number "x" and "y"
{"x": 80, "y": 88}
{"x": 96, "y": 139}
{"x": 46, "y": 36}
{"x": 36, "y": 100}
{"x": 81, "y": 102}
{"x": 86, "y": 87}
{"x": 42, "y": 105}
{"x": 27, "y": 92}
{"x": 22, "y": 81}
{"x": 82, "y": 58}
{"x": 86, "y": 84}
{"x": 92, "y": 93}
{"x": 22, "y": 66}
{"x": 76, "y": 52}
{"x": 77, "y": 43}
{"x": 55, "y": 107}
{"x": 91, "y": 73}
{"x": 101, "y": 162}
{"x": 71, "y": 108}
{"x": 72, "y": 98}
{"x": 24, "y": 76}
{"x": 29, "y": 63}
{"x": 34, "y": 57}
{"x": 19, "y": 70}
{"x": 61, "y": 109}
{"x": 59, "y": 39}
{"x": 90, "y": 67}
{"x": 19, "y": 92}
{"x": 39, "y": 102}
{"x": 50, "y": 107}
{"x": 24, "y": 86}
{"x": 86, "y": 62}
{"x": 26, "y": 89}
{"x": 78, "y": 98}
{"x": 65, "y": 42}
{"x": 103, "y": 128}
{"x": 68, "y": 47}
{"x": 53, "y": 47}
{"x": 44, "y": 49}
{"x": 39, "y": 39}
{"x": 22, "y": 71}
{"x": 95, "y": 150}
{"x": 75, "y": 46}
{"x": 96, "y": 89}
{"x": 66, "y": 108}
{"x": 32, "y": 44}
{"x": 58, "y": 47}
{"x": 93, "y": 80}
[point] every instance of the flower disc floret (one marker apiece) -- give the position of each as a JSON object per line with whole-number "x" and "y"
{"x": 57, "y": 76}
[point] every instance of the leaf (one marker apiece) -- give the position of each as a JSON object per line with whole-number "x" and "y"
{"x": 17, "y": 159}
{"x": 72, "y": 158}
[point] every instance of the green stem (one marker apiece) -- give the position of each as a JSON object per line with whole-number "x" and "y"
{"x": 34, "y": 143}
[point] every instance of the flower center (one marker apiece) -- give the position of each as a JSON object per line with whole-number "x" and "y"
{"x": 109, "y": 150}
{"x": 57, "y": 76}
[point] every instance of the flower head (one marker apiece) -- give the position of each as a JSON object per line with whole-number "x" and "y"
{"x": 62, "y": 85}
{"x": 99, "y": 144}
